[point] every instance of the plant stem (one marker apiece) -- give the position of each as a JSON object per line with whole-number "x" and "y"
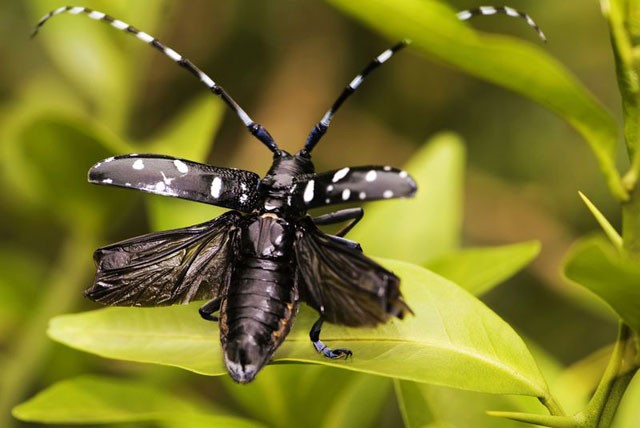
{"x": 631, "y": 223}
{"x": 619, "y": 372}
{"x": 552, "y": 406}
{"x": 27, "y": 357}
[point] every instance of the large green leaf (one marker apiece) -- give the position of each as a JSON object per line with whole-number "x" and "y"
{"x": 190, "y": 134}
{"x": 428, "y": 225}
{"x": 299, "y": 385}
{"x": 598, "y": 266}
{"x": 96, "y": 400}
{"x": 453, "y": 340}
{"x": 526, "y": 69}
{"x": 432, "y": 406}
{"x": 478, "y": 270}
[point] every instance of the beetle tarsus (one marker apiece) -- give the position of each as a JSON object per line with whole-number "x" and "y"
{"x": 314, "y": 335}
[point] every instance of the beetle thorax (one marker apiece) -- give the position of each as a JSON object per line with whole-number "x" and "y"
{"x": 280, "y": 180}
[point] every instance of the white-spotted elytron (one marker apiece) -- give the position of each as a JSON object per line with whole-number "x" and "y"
{"x": 256, "y": 262}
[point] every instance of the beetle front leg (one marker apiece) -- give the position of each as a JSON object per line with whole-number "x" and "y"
{"x": 314, "y": 335}
{"x": 206, "y": 311}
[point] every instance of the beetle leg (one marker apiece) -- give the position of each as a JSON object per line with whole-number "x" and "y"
{"x": 209, "y": 308}
{"x": 314, "y": 335}
{"x": 353, "y": 214}
{"x": 346, "y": 242}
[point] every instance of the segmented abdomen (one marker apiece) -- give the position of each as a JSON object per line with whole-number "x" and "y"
{"x": 258, "y": 308}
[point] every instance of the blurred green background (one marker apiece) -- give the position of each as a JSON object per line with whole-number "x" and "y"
{"x": 284, "y": 61}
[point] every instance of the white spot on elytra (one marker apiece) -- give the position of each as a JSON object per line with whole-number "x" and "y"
{"x": 330, "y": 188}
{"x": 166, "y": 180}
{"x": 340, "y": 174}
{"x": 160, "y": 186}
{"x": 127, "y": 184}
{"x": 309, "y": 191}
{"x": 181, "y": 166}
{"x": 464, "y": 15}
{"x": 216, "y": 187}
{"x": 345, "y": 194}
{"x": 387, "y": 168}
{"x": 243, "y": 198}
{"x": 107, "y": 181}
{"x": 76, "y": 10}
{"x": 387, "y": 194}
{"x": 326, "y": 201}
{"x": 362, "y": 195}
{"x": 138, "y": 164}
{"x": 107, "y": 160}
{"x": 403, "y": 174}
{"x": 371, "y": 175}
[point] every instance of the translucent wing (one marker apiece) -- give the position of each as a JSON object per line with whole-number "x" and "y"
{"x": 180, "y": 178}
{"x": 343, "y": 284}
{"x": 176, "y": 266}
{"x": 363, "y": 183}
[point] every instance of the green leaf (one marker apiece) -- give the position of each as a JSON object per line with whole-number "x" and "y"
{"x": 300, "y": 385}
{"x": 522, "y": 67}
{"x": 190, "y": 135}
{"x": 429, "y": 225}
{"x": 46, "y": 158}
{"x": 430, "y": 406}
{"x": 21, "y": 274}
{"x": 608, "y": 229}
{"x": 478, "y": 270}
{"x": 599, "y": 267}
{"x": 170, "y": 213}
{"x": 97, "y": 400}
{"x": 453, "y": 340}
{"x": 628, "y": 413}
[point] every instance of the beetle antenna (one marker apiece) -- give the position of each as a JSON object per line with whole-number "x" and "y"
{"x": 464, "y": 15}
{"x": 321, "y": 127}
{"x": 254, "y": 128}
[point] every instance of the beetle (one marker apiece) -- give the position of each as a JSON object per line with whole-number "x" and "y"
{"x": 255, "y": 263}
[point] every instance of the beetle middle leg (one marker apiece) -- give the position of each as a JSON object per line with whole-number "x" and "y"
{"x": 353, "y": 214}
{"x": 206, "y": 311}
{"x": 314, "y": 335}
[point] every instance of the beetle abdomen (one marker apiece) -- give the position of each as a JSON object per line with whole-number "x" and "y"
{"x": 258, "y": 308}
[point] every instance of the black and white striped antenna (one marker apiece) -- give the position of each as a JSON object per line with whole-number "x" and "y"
{"x": 464, "y": 15}
{"x": 254, "y": 128}
{"x": 321, "y": 127}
